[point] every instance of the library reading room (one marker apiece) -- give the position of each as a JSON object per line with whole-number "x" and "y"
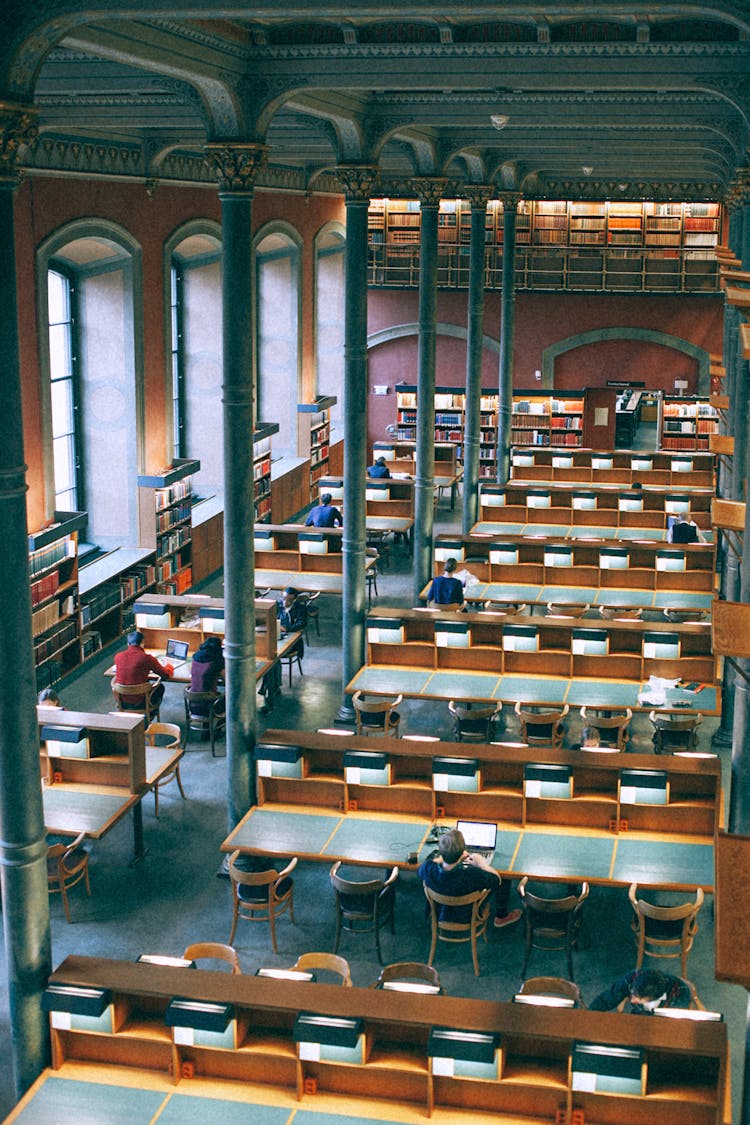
{"x": 373, "y": 491}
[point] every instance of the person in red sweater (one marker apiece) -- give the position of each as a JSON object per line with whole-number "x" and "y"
{"x": 132, "y": 666}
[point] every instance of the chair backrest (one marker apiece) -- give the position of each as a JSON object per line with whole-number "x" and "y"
{"x": 554, "y": 610}
{"x": 675, "y": 722}
{"x": 475, "y": 900}
{"x": 213, "y": 951}
{"x": 613, "y": 728}
{"x": 325, "y": 962}
{"x": 542, "y": 726}
{"x": 209, "y": 698}
{"x": 166, "y": 735}
{"x": 683, "y": 912}
{"x": 267, "y": 878}
{"x": 368, "y": 887}
{"x": 374, "y": 713}
{"x": 552, "y": 986}
{"x": 620, "y": 613}
{"x": 554, "y": 915}
{"x": 679, "y": 616}
{"x": 59, "y": 852}
{"x": 406, "y": 972}
{"x": 123, "y": 693}
{"x": 508, "y": 609}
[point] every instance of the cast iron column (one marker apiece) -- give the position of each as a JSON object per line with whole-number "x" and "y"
{"x": 358, "y": 184}
{"x": 23, "y": 845}
{"x": 479, "y": 196}
{"x": 237, "y": 166}
{"x": 429, "y": 192}
{"x": 510, "y": 200}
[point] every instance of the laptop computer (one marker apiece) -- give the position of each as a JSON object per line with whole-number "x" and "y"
{"x": 479, "y": 836}
{"x": 176, "y": 652}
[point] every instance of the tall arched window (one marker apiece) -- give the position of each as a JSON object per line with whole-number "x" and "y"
{"x": 330, "y": 244}
{"x": 91, "y": 362}
{"x": 277, "y": 255}
{"x": 195, "y": 349}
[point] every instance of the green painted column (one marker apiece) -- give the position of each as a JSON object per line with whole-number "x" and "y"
{"x": 429, "y": 192}
{"x": 358, "y": 182}
{"x": 237, "y": 166}
{"x": 23, "y": 845}
{"x": 479, "y": 196}
{"x": 510, "y": 200}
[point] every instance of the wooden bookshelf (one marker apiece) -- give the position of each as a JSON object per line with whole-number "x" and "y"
{"x": 53, "y": 576}
{"x": 262, "y": 470}
{"x": 686, "y": 423}
{"x": 165, "y": 505}
{"x": 315, "y": 435}
{"x": 450, "y": 420}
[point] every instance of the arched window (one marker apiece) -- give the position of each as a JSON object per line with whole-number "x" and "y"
{"x": 330, "y": 245}
{"x": 91, "y": 363}
{"x": 195, "y": 349}
{"x": 277, "y": 254}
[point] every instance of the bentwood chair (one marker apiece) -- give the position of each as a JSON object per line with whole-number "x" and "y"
{"x": 551, "y": 923}
{"x": 67, "y": 864}
{"x": 214, "y": 951}
{"x": 376, "y": 716}
{"x": 143, "y": 693}
{"x": 612, "y": 726}
{"x": 364, "y": 906}
{"x": 674, "y": 732}
{"x": 473, "y": 722}
{"x": 664, "y": 931}
{"x": 204, "y": 714}
{"x": 167, "y": 736}
{"x": 478, "y": 907}
{"x": 566, "y": 610}
{"x": 261, "y": 896}
{"x": 542, "y": 726}
{"x": 409, "y": 976}
{"x": 620, "y": 613}
{"x": 325, "y": 963}
{"x": 556, "y": 987}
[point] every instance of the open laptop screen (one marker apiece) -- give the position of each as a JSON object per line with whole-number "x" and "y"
{"x": 478, "y": 834}
{"x": 177, "y": 649}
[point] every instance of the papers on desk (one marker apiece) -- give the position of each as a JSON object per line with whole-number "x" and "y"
{"x": 655, "y": 692}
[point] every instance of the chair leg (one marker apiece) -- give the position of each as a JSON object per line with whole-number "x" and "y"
{"x": 272, "y": 926}
{"x": 178, "y": 779}
{"x": 156, "y": 800}
{"x": 64, "y": 896}
{"x": 234, "y": 917}
{"x": 474, "y": 955}
{"x": 337, "y": 936}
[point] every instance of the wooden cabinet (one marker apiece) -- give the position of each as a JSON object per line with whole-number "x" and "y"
{"x": 109, "y": 749}
{"x": 526, "y": 1069}
{"x": 53, "y": 575}
{"x": 165, "y": 516}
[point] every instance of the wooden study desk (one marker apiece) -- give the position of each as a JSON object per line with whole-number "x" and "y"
{"x": 663, "y": 468}
{"x": 499, "y": 526}
{"x": 261, "y": 1060}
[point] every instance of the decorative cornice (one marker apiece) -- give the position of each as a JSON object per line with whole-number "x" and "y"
{"x": 616, "y": 49}
{"x": 429, "y": 190}
{"x": 236, "y": 166}
{"x": 738, "y": 192}
{"x": 657, "y": 191}
{"x": 577, "y": 97}
{"x": 509, "y": 199}
{"x": 359, "y": 181}
{"x": 478, "y": 195}
{"x": 18, "y": 132}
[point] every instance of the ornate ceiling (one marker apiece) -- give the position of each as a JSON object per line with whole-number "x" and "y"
{"x": 565, "y": 100}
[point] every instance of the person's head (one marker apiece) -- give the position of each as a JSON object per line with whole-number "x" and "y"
{"x": 450, "y": 566}
{"x": 49, "y": 697}
{"x": 648, "y": 989}
{"x": 590, "y": 736}
{"x": 380, "y": 461}
{"x": 452, "y": 846}
{"x": 211, "y": 648}
{"x": 636, "y": 485}
{"x": 135, "y": 637}
{"x": 289, "y": 597}
{"x": 682, "y": 517}
{"x": 326, "y": 499}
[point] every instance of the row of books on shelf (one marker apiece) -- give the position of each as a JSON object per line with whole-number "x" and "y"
{"x": 262, "y": 468}
{"x": 443, "y": 418}
{"x": 262, "y": 509}
{"x": 91, "y": 642}
{"x": 320, "y": 436}
{"x": 167, "y": 568}
{"x": 559, "y": 422}
{"x": 173, "y": 516}
{"x": 137, "y": 579}
{"x": 105, "y": 598}
{"x": 44, "y": 618}
{"x": 689, "y": 410}
{"x": 45, "y": 587}
{"x": 529, "y": 437}
{"x": 262, "y": 487}
{"x": 448, "y": 435}
{"x": 562, "y": 437}
{"x": 67, "y": 632}
{"x": 318, "y": 456}
{"x": 408, "y": 417}
{"x": 168, "y": 544}
{"x": 181, "y": 582}
{"x": 671, "y": 442}
{"x": 45, "y": 557}
{"x": 165, "y": 497}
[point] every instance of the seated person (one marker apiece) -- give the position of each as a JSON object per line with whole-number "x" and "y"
{"x": 133, "y": 665}
{"x": 445, "y": 589}
{"x": 291, "y": 612}
{"x": 590, "y": 739}
{"x": 48, "y": 697}
{"x": 325, "y": 515}
{"x": 379, "y": 469}
{"x": 646, "y": 990}
{"x": 684, "y": 530}
{"x": 455, "y": 872}
{"x": 205, "y": 672}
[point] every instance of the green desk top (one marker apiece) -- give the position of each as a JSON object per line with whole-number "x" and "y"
{"x": 583, "y": 595}
{"x": 513, "y": 688}
{"x": 569, "y": 531}
{"x": 600, "y": 858}
{"x": 70, "y": 808}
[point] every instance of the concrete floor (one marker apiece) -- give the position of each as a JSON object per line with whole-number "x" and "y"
{"x": 176, "y": 895}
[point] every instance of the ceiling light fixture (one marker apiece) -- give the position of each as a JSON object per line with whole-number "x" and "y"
{"x": 587, "y": 169}
{"x": 499, "y": 120}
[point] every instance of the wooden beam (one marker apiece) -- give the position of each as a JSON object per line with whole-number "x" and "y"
{"x": 729, "y": 515}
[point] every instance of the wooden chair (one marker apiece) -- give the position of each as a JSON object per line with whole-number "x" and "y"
{"x": 540, "y": 727}
{"x": 680, "y": 616}
{"x": 289, "y": 659}
{"x": 551, "y": 923}
{"x": 451, "y": 931}
{"x": 410, "y": 976}
{"x": 620, "y": 613}
{"x": 472, "y": 722}
{"x": 144, "y": 692}
{"x": 380, "y": 542}
{"x": 168, "y": 737}
{"x": 67, "y": 864}
{"x": 376, "y": 716}
{"x": 673, "y": 733}
{"x": 325, "y": 963}
{"x": 364, "y": 906}
{"x": 507, "y": 609}
{"x": 209, "y": 718}
{"x": 552, "y": 986}
{"x": 566, "y": 610}
{"x": 213, "y": 951}
{"x": 612, "y": 726}
{"x": 310, "y": 602}
{"x": 664, "y": 931}
{"x": 261, "y": 896}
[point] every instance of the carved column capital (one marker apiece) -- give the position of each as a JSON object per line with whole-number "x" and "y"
{"x": 429, "y": 190}
{"x": 236, "y": 165}
{"x": 509, "y": 199}
{"x": 18, "y": 129}
{"x": 478, "y": 195}
{"x": 359, "y": 181}
{"x": 738, "y": 192}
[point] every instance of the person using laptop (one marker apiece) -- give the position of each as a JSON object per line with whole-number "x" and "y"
{"x": 457, "y": 872}
{"x": 133, "y": 665}
{"x": 205, "y": 672}
{"x": 685, "y": 530}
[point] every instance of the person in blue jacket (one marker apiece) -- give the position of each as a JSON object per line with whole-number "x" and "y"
{"x": 325, "y": 515}
{"x": 646, "y": 990}
{"x": 379, "y": 470}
